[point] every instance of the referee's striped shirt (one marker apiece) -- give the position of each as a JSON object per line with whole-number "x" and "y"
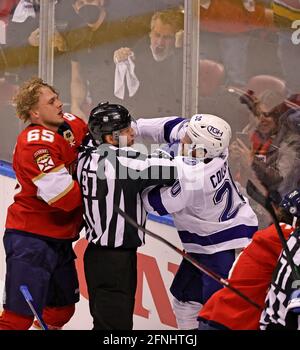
{"x": 281, "y": 288}
{"x": 108, "y": 175}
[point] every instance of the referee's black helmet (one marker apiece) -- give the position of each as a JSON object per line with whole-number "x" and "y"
{"x": 108, "y": 118}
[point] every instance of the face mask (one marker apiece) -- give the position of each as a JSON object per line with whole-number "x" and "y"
{"x": 89, "y": 13}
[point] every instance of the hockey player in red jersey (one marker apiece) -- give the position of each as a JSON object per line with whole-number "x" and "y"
{"x": 251, "y": 274}
{"x": 46, "y": 215}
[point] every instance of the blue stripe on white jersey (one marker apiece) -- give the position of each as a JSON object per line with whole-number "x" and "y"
{"x": 213, "y": 216}
{"x": 155, "y": 201}
{"x": 206, "y": 237}
{"x": 213, "y": 210}
{"x": 169, "y": 126}
{"x": 239, "y": 231}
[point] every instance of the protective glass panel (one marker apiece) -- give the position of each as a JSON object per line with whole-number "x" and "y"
{"x": 249, "y": 77}
{"x": 119, "y": 51}
{"x": 19, "y": 22}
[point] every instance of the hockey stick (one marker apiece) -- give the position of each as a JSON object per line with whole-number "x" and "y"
{"x": 188, "y": 257}
{"x": 266, "y": 202}
{"x": 26, "y": 294}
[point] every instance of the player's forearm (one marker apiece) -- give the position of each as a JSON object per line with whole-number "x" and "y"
{"x": 58, "y": 189}
{"x": 71, "y": 200}
{"x": 158, "y": 130}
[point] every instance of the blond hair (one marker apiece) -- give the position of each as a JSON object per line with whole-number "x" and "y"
{"x": 173, "y": 17}
{"x": 28, "y": 96}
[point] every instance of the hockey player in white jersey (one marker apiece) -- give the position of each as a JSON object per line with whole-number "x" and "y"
{"x": 211, "y": 216}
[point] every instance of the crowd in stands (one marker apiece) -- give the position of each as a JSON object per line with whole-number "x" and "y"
{"x": 131, "y": 52}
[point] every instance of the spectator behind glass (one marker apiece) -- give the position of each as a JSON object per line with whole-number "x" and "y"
{"x": 157, "y": 65}
{"x": 253, "y": 144}
{"x": 261, "y": 130}
{"x": 90, "y": 63}
{"x": 280, "y": 172}
{"x": 102, "y": 27}
{"x": 6, "y": 6}
{"x": 226, "y": 28}
{"x": 6, "y": 9}
{"x": 13, "y": 52}
{"x": 21, "y": 56}
{"x": 273, "y": 161}
{"x": 23, "y": 40}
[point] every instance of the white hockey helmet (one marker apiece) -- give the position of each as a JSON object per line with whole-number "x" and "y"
{"x": 210, "y": 132}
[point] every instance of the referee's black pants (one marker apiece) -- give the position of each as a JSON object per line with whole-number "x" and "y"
{"x": 111, "y": 276}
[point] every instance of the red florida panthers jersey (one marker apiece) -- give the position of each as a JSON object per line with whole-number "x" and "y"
{"x": 251, "y": 274}
{"x": 47, "y": 200}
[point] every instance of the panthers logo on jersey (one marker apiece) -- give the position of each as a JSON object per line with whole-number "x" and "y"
{"x": 43, "y": 160}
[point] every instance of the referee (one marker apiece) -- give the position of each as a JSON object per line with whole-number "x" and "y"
{"x": 113, "y": 175}
{"x": 282, "y": 304}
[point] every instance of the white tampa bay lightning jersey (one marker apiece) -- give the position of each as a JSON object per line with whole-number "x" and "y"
{"x": 209, "y": 212}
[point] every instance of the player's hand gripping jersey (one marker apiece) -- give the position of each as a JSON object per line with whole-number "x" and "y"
{"x": 112, "y": 176}
{"x": 209, "y": 212}
{"x": 47, "y": 200}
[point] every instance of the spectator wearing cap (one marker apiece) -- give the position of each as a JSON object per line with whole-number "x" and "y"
{"x": 274, "y": 157}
